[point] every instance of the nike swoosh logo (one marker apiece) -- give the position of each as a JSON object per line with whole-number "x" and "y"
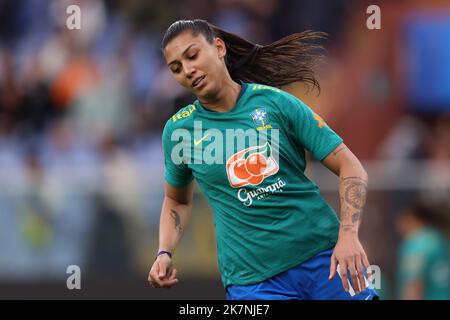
{"x": 197, "y": 142}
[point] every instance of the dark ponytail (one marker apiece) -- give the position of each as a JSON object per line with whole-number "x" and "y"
{"x": 288, "y": 60}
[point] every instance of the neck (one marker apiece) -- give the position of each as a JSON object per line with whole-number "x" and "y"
{"x": 415, "y": 227}
{"x": 225, "y": 99}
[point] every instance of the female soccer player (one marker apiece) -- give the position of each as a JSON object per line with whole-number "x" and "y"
{"x": 244, "y": 141}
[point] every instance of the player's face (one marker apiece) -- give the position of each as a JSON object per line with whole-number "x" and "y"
{"x": 197, "y": 65}
{"x": 403, "y": 222}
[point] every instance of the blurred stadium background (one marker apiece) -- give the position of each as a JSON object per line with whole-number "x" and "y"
{"x": 81, "y": 114}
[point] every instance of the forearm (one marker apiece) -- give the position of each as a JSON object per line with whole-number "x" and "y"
{"x": 349, "y": 254}
{"x": 174, "y": 219}
{"x": 353, "y": 181}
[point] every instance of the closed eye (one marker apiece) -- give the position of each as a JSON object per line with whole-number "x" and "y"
{"x": 193, "y": 56}
{"x": 176, "y": 69}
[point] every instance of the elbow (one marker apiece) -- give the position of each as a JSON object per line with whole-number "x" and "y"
{"x": 364, "y": 174}
{"x": 359, "y": 169}
{"x": 353, "y": 168}
{"x": 178, "y": 201}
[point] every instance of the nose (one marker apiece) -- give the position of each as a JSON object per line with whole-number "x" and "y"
{"x": 189, "y": 70}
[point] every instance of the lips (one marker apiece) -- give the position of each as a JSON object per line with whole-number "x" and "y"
{"x": 197, "y": 81}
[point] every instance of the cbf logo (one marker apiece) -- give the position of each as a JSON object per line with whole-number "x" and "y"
{"x": 261, "y": 119}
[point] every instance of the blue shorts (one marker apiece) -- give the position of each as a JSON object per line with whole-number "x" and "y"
{"x": 307, "y": 281}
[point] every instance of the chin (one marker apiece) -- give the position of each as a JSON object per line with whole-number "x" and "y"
{"x": 204, "y": 93}
{"x": 209, "y": 92}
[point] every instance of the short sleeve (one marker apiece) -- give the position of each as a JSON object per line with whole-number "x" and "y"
{"x": 310, "y": 130}
{"x": 176, "y": 172}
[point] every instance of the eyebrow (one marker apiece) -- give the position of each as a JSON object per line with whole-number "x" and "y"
{"x": 172, "y": 62}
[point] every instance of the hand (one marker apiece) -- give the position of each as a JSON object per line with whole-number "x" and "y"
{"x": 349, "y": 254}
{"x": 162, "y": 274}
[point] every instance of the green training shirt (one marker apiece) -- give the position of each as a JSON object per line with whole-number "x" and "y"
{"x": 249, "y": 162}
{"x": 424, "y": 256}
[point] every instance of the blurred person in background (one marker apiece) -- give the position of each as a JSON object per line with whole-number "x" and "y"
{"x": 307, "y": 240}
{"x": 423, "y": 257}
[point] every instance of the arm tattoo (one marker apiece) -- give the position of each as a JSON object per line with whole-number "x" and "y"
{"x": 176, "y": 217}
{"x": 348, "y": 228}
{"x": 356, "y": 216}
{"x": 355, "y": 191}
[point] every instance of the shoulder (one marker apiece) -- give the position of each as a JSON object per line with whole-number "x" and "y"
{"x": 437, "y": 241}
{"x": 264, "y": 91}
{"x": 178, "y": 120}
{"x": 281, "y": 100}
{"x": 426, "y": 241}
{"x": 272, "y": 93}
{"x": 285, "y": 104}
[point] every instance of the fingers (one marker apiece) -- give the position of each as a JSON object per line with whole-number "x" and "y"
{"x": 170, "y": 280}
{"x": 162, "y": 271}
{"x": 333, "y": 267}
{"x": 353, "y": 275}
{"x": 166, "y": 283}
{"x": 173, "y": 274}
{"x": 352, "y": 266}
{"x": 153, "y": 275}
{"x": 359, "y": 269}
{"x": 169, "y": 283}
{"x": 368, "y": 268}
{"x": 159, "y": 278}
{"x": 153, "y": 281}
{"x": 343, "y": 274}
